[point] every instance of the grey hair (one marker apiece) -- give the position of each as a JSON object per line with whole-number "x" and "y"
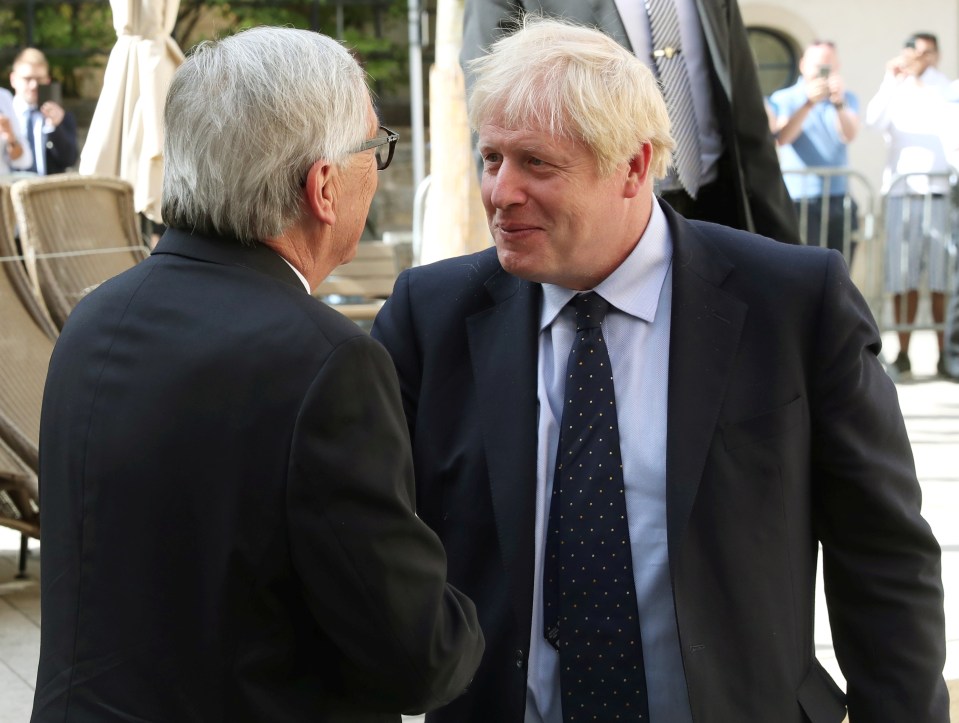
{"x": 246, "y": 117}
{"x": 573, "y": 82}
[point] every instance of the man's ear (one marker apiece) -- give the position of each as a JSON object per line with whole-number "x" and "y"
{"x": 637, "y": 170}
{"x": 321, "y": 192}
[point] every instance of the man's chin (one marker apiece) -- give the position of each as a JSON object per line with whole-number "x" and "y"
{"x": 518, "y": 263}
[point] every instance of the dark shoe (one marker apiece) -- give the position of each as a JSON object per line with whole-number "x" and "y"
{"x": 901, "y": 368}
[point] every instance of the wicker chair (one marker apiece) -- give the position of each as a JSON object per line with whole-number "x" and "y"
{"x": 25, "y": 348}
{"x": 76, "y": 232}
{"x": 24, "y": 277}
{"x": 359, "y": 287}
{"x": 19, "y": 509}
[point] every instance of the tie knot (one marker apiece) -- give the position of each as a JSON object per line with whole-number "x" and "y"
{"x": 590, "y": 309}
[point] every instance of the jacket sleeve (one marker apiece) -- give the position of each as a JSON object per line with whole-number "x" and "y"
{"x": 768, "y": 201}
{"x": 374, "y": 573}
{"x": 879, "y": 107}
{"x": 62, "y": 143}
{"x": 881, "y": 563}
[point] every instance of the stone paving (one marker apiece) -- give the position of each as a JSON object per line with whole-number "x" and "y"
{"x": 931, "y": 410}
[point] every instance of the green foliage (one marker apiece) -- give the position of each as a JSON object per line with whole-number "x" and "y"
{"x": 71, "y": 34}
{"x": 361, "y": 25}
{"x": 80, "y": 32}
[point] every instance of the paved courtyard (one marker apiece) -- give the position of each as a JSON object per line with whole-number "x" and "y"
{"x": 931, "y": 409}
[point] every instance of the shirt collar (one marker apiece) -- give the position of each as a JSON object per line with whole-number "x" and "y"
{"x": 301, "y": 277}
{"x": 635, "y": 285}
{"x": 20, "y": 105}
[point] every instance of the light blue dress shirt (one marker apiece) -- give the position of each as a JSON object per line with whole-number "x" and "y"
{"x": 636, "y": 330}
{"x": 819, "y": 143}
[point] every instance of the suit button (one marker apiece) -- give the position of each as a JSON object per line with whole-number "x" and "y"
{"x": 520, "y": 658}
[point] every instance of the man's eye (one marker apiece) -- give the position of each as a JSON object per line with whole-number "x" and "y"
{"x": 536, "y": 161}
{"x": 491, "y": 158}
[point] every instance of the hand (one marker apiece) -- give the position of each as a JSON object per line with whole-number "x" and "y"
{"x": 53, "y": 112}
{"x": 817, "y": 90}
{"x": 837, "y": 89}
{"x": 906, "y": 64}
{"x": 6, "y": 130}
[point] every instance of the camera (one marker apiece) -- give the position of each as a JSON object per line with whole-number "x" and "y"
{"x": 824, "y": 71}
{"x": 50, "y": 91}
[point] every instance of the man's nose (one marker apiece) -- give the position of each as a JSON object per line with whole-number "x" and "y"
{"x": 508, "y": 188}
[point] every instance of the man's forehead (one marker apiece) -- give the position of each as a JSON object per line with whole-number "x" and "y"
{"x": 500, "y": 131}
{"x": 30, "y": 70}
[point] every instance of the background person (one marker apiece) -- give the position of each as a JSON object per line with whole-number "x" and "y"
{"x": 740, "y": 184}
{"x": 14, "y": 154}
{"x": 50, "y": 130}
{"x": 227, "y": 494}
{"x": 910, "y": 110}
{"x": 754, "y": 417}
{"x": 816, "y": 119}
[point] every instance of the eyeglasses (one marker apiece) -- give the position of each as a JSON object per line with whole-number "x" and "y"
{"x": 383, "y": 156}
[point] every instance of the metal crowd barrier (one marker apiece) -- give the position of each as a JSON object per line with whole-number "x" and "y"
{"x": 929, "y": 216}
{"x": 866, "y": 248}
{"x": 861, "y": 239}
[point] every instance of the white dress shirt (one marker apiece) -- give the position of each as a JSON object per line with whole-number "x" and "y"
{"x": 915, "y": 118}
{"x": 35, "y": 134}
{"x": 636, "y": 330}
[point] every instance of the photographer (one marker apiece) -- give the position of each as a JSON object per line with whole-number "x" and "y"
{"x": 47, "y": 128}
{"x": 815, "y": 120}
{"x": 910, "y": 109}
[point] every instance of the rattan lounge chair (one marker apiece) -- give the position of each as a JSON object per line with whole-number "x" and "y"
{"x": 81, "y": 230}
{"x": 18, "y": 500}
{"x": 359, "y": 287}
{"x": 25, "y": 347}
{"x": 22, "y": 278}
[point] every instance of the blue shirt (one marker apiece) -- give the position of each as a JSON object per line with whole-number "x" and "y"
{"x": 636, "y": 330}
{"x": 819, "y": 144}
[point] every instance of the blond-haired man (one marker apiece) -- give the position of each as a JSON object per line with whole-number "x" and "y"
{"x": 47, "y": 127}
{"x": 746, "y": 420}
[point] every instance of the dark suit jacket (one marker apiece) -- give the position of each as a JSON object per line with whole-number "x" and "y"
{"x": 60, "y": 146}
{"x": 227, "y": 509}
{"x": 784, "y": 431}
{"x": 750, "y": 166}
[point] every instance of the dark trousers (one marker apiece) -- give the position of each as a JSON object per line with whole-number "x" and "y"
{"x": 835, "y": 237}
{"x": 950, "y": 351}
{"x": 714, "y": 202}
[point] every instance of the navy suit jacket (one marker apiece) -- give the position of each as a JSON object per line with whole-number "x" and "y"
{"x": 784, "y": 432}
{"x": 60, "y": 146}
{"x": 750, "y": 167}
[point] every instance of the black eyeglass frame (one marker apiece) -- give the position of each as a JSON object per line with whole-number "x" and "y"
{"x": 390, "y": 138}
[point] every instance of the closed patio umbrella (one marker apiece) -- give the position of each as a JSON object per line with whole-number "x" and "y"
{"x": 126, "y": 133}
{"x": 454, "y": 222}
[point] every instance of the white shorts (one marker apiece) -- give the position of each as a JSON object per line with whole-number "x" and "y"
{"x": 917, "y": 239}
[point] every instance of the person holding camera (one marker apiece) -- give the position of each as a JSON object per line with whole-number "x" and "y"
{"x": 47, "y": 127}
{"x": 911, "y": 110}
{"x": 816, "y": 119}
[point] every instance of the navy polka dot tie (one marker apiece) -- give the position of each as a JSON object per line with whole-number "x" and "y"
{"x": 589, "y": 600}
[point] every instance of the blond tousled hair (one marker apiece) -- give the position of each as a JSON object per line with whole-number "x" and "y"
{"x": 574, "y": 82}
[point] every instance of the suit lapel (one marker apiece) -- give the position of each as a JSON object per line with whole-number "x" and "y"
{"x": 713, "y": 18}
{"x": 503, "y": 343}
{"x": 704, "y": 336}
